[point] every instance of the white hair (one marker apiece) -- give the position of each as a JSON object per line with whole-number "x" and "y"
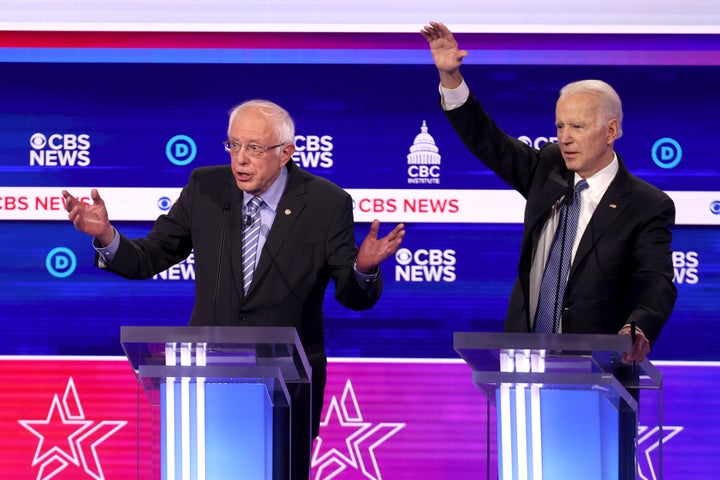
{"x": 610, "y": 104}
{"x": 276, "y": 115}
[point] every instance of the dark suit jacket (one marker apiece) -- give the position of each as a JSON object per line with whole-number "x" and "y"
{"x": 622, "y": 270}
{"x": 311, "y": 241}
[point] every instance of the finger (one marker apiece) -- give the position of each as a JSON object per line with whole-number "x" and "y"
{"x": 69, "y": 200}
{"x": 443, "y": 30}
{"x": 437, "y": 26}
{"x": 392, "y": 235}
{"x": 374, "y": 228}
{"x": 72, "y": 214}
{"x": 432, "y": 31}
{"x": 638, "y": 352}
{"x": 397, "y": 235}
{"x": 67, "y": 195}
{"x": 76, "y": 218}
{"x": 96, "y": 197}
{"x": 627, "y": 357}
{"x": 644, "y": 350}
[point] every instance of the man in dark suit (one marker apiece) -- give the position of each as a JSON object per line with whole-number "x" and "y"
{"x": 305, "y": 239}
{"x": 620, "y": 279}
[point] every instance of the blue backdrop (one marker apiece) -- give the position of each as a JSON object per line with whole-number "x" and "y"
{"x": 109, "y": 124}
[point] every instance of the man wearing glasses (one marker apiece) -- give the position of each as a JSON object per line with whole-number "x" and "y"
{"x": 267, "y": 238}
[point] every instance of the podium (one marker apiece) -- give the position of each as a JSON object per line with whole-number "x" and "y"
{"x": 561, "y": 410}
{"x": 220, "y": 396}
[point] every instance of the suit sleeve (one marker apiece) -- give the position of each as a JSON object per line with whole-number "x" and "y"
{"x": 168, "y": 243}
{"x": 341, "y": 252}
{"x": 511, "y": 160}
{"x": 652, "y": 281}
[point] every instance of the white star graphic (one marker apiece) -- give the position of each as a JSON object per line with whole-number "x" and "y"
{"x": 56, "y": 437}
{"x": 358, "y": 446}
{"x": 63, "y": 433}
{"x": 648, "y": 441}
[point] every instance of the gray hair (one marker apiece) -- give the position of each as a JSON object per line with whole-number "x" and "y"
{"x": 610, "y": 104}
{"x": 276, "y": 115}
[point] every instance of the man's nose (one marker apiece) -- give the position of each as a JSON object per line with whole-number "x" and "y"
{"x": 241, "y": 157}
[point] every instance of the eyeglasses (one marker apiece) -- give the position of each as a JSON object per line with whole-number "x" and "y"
{"x": 252, "y": 149}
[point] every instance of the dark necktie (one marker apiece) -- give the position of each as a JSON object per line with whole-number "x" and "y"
{"x": 251, "y": 234}
{"x": 552, "y": 287}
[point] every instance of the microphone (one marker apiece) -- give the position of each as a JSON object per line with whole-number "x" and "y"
{"x": 248, "y": 220}
{"x": 226, "y": 211}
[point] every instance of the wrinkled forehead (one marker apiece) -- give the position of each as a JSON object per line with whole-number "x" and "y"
{"x": 577, "y": 106}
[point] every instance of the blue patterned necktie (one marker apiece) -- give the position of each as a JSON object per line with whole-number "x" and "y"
{"x": 251, "y": 234}
{"x": 552, "y": 287}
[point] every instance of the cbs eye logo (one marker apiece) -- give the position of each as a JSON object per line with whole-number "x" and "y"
{"x": 715, "y": 207}
{"x": 38, "y": 141}
{"x": 403, "y": 256}
{"x": 164, "y": 203}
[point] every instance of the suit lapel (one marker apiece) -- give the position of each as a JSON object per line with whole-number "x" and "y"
{"x": 538, "y": 208}
{"x": 609, "y": 208}
{"x": 288, "y": 212}
{"x": 556, "y": 186}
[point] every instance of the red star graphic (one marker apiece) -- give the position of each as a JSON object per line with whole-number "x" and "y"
{"x": 56, "y": 433}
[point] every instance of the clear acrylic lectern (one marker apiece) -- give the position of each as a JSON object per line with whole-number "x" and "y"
{"x": 220, "y": 397}
{"x": 561, "y": 409}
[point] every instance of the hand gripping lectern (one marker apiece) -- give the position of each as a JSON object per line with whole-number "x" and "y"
{"x": 562, "y": 410}
{"x": 220, "y": 396}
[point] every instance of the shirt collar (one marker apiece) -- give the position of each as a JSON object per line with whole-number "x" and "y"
{"x": 598, "y": 183}
{"x": 272, "y": 195}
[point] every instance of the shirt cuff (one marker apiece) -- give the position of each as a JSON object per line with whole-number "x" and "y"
{"x": 107, "y": 254}
{"x": 365, "y": 279}
{"x": 452, "y": 98}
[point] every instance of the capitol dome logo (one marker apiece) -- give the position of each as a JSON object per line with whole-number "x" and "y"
{"x": 424, "y": 159}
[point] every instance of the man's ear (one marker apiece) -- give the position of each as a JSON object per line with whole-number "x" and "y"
{"x": 612, "y": 131}
{"x": 286, "y": 153}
